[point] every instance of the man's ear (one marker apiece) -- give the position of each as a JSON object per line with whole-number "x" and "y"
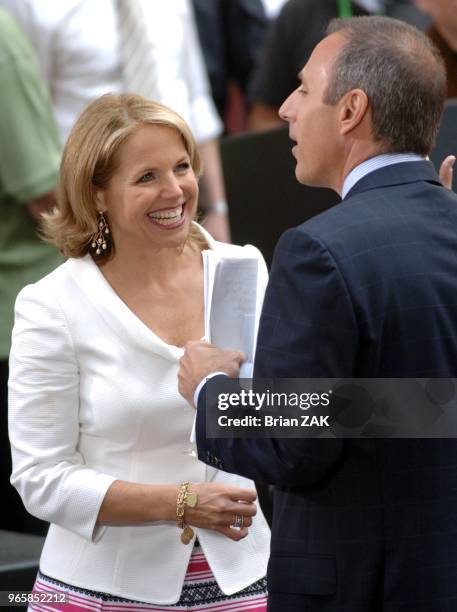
{"x": 353, "y": 109}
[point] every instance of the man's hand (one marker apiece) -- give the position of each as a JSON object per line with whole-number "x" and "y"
{"x": 446, "y": 171}
{"x": 200, "y": 359}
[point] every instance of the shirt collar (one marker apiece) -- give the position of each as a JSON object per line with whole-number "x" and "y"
{"x": 375, "y": 163}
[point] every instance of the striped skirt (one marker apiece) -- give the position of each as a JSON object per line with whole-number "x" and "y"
{"x": 200, "y": 592}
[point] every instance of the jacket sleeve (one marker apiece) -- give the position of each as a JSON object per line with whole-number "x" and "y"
{"x": 48, "y": 471}
{"x": 307, "y": 330}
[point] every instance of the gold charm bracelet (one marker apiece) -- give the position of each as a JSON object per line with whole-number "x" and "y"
{"x": 185, "y": 499}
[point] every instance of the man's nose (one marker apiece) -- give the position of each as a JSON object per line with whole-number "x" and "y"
{"x": 285, "y": 111}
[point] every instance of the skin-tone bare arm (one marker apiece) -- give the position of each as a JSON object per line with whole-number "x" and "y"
{"x": 216, "y": 223}
{"x": 128, "y": 503}
{"x": 42, "y": 204}
{"x": 131, "y": 503}
{"x": 263, "y": 117}
{"x": 444, "y": 18}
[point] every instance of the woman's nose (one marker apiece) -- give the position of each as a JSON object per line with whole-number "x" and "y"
{"x": 171, "y": 186}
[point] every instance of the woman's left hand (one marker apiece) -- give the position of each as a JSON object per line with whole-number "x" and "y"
{"x": 221, "y": 508}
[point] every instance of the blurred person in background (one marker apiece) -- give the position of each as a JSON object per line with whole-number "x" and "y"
{"x": 443, "y": 32}
{"x": 293, "y": 35}
{"x": 29, "y": 161}
{"x": 231, "y": 35}
{"x": 86, "y": 48}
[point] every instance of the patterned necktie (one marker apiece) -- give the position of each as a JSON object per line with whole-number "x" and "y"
{"x": 136, "y": 51}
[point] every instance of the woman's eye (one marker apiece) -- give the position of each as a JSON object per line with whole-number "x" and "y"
{"x": 302, "y": 91}
{"x": 148, "y": 176}
{"x": 183, "y": 166}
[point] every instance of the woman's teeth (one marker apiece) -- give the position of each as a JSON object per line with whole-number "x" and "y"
{"x": 167, "y": 217}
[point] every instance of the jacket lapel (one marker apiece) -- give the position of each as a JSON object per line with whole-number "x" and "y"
{"x": 115, "y": 313}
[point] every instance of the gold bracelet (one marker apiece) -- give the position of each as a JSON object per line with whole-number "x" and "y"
{"x": 185, "y": 499}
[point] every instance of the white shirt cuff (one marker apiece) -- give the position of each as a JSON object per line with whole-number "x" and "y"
{"x": 193, "y": 435}
{"x": 202, "y": 383}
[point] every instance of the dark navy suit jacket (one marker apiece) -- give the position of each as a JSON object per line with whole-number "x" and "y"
{"x": 366, "y": 289}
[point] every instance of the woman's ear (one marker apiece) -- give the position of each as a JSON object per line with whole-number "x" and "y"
{"x": 100, "y": 205}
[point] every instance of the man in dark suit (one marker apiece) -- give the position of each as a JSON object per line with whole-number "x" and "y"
{"x": 366, "y": 289}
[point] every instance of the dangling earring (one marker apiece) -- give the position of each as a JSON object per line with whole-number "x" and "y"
{"x": 98, "y": 239}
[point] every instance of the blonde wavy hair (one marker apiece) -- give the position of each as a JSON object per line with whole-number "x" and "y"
{"x": 89, "y": 161}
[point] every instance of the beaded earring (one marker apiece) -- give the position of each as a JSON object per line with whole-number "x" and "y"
{"x": 99, "y": 242}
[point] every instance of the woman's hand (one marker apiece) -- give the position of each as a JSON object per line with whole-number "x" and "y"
{"x": 218, "y": 507}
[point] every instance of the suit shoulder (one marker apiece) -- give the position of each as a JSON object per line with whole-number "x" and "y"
{"x": 360, "y": 210}
{"x": 338, "y": 213}
{"x": 330, "y": 230}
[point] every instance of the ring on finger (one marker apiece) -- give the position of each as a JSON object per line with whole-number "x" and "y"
{"x": 239, "y": 521}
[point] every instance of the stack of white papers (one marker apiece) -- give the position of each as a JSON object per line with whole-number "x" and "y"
{"x": 232, "y": 305}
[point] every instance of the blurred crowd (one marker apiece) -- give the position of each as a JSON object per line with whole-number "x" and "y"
{"x": 225, "y": 65}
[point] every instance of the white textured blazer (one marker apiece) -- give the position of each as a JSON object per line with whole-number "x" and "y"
{"x": 94, "y": 398}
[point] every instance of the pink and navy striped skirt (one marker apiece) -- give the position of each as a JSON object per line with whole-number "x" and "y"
{"x": 200, "y": 592}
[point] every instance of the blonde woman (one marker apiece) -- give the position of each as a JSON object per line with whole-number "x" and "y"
{"x": 99, "y": 432}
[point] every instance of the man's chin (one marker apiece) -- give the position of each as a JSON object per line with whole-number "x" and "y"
{"x": 304, "y": 177}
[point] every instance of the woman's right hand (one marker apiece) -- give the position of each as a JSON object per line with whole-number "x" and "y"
{"x": 218, "y": 506}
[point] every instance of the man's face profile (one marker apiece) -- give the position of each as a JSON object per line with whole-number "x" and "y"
{"x": 313, "y": 125}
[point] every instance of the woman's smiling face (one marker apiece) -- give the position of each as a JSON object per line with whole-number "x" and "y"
{"x": 152, "y": 196}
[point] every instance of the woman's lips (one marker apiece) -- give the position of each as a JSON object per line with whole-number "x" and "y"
{"x": 168, "y": 218}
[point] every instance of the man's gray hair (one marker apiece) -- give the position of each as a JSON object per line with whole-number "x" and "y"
{"x": 401, "y": 72}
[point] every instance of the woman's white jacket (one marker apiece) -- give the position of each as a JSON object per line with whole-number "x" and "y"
{"x": 93, "y": 398}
